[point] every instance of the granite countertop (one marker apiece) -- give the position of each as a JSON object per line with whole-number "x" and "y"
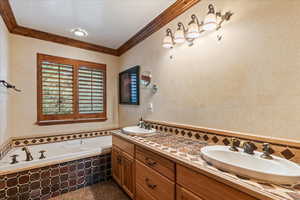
{"x": 187, "y": 151}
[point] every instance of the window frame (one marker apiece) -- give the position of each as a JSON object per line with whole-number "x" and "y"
{"x": 76, "y": 117}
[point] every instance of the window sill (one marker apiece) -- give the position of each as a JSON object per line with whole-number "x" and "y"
{"x": 72, "y": 121}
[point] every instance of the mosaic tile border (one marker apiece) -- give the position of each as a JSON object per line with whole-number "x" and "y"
{"x": 53, "y": 180}
{"x": 17, "y": 142}
{"x": 282, "y": 150}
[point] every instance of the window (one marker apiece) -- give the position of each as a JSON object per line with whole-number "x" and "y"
{"x": 70, "y": 90}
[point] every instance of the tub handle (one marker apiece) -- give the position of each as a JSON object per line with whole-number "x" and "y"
{"x": 14, "y": 159}
{"x": 42, "y": 154}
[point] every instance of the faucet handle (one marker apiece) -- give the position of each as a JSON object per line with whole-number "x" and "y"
{"x": 233, "y": 146}
{"x": 266, "y": 151}
{"x": 42, "y": 154}
{"x": 14, "y": 159}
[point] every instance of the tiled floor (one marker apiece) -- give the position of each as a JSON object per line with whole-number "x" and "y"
{"x": 101, "y": 191}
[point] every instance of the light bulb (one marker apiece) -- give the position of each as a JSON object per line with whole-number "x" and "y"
{"x": 193, "y": 31}
{"x": 179, "y": 37}
{"x": 168, "y": 42}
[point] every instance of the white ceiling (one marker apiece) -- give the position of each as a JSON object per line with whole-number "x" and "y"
{"x": 109, "y": 23}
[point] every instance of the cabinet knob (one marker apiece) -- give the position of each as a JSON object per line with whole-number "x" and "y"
{"x": 119, "y": 160}
{"x": 150, "y": 185}
{"x": 150, "y": 162}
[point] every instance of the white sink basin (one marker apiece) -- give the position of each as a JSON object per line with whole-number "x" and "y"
{"x": 135, "y": 130}
{"x": 277, "y": 170}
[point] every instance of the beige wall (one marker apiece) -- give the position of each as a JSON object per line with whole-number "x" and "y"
{"x": 4, "y": 75}
{"x": 249, "y": 82}
{"x": 23, "y": 74}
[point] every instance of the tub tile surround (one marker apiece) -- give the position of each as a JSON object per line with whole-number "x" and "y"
{"x": 283, "y": 148}
{"x": 46, "y": 139}
{"x": 264, "y": 190}
{"x": 54, "y": 180}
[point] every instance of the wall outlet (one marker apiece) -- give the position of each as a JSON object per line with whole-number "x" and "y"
{"x": 150, "y": 107}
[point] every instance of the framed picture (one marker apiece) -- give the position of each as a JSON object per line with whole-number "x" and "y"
{"x": 129, "y": 90}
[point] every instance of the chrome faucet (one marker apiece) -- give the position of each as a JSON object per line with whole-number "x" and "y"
{"x": 249, "y": 148}
{"x": 266, "y": 152}
{"x": 28, "y": 154}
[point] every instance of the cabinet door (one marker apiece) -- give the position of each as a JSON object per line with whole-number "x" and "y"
{"x": 128, "y": 174}
{"x": 183, "y": 194}
{"x": 117, "y": 165}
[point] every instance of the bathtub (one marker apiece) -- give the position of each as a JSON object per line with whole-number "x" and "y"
{"x": 56, "y": 153}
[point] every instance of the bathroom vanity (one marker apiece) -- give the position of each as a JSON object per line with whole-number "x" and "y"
{"x": 148, "y": 174}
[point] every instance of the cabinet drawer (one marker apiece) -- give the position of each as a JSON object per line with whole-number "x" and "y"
{"x": 141, "y": 194}
{"x": 156, "y": 162}
{"x": 183, "y": 194}
{"x": 123, "y": 145}
{"x": 206, "y": 187}
{"x": 153, "y": 183}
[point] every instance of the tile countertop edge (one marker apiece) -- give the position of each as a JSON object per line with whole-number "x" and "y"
{"x": 205, "y": 171}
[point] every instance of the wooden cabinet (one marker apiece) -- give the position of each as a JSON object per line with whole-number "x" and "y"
{"x": 128, "y": 174}
{"x": 156, "y": 162}
{"x": 206, "y": 187}
{"x": 123, "y": 167}
{"x": 145, "y": 175}
{"x": 117, "y": 165}
{"x": 153, "y": 183}
{"x": 141, "y": 194}
{"x": 183, "y": 194}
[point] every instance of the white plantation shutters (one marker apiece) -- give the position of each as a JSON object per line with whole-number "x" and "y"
{"x": 57, "y": 88}
{"x": 70, "y": 90}
{"x": 91, "y": 90}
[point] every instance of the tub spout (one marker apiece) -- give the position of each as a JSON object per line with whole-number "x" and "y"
{"x": 28, "y": 154}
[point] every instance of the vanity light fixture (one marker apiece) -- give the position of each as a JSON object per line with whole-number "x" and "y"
{"x": 194, "y": 28}
{"x": 179, "y": 36}
{"x": 212, "y": 22}
{"x": 79, "y": 32}
{"x": 168, "y": 41}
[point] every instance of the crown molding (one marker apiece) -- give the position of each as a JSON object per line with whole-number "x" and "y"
{"x": 176, "y": 9}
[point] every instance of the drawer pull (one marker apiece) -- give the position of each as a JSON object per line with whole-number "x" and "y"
{"x": 150, "y": 162}
{"x": 150, "y": 185}
{"x": 119, "y": 160}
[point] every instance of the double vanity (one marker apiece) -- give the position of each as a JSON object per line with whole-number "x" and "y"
{"x": 165, "y": 166}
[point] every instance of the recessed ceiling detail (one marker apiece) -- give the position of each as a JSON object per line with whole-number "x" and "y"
{"x": 113, "y": 26}
{"x": 109, "y": 22}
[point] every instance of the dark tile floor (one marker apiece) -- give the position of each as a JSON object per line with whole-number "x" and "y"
{"x": 101, "y": 191}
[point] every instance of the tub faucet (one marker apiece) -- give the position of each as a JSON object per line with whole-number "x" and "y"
{"x": 266, "y": 152}
{"x": 28, "y": 154}
{"x": 249, "y": 148}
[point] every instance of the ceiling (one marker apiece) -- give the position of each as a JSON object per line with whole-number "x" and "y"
{"x": 109, "y": 23}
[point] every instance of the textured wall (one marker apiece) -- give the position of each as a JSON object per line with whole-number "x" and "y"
{"x": 24, "y": 105}
{"x": 4, "y": 75}
{"x": 249, "y": 82}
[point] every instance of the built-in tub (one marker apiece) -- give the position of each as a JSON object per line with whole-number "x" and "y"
{"x": 55, "y": 153}
{"x": 68, "y": 166}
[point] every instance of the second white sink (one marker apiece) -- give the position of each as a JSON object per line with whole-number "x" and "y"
{"x": 277, "y": 170}
{"x": 135, "y": 130}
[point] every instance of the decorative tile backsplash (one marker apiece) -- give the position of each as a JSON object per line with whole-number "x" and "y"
{"x": 282, "y": 150}
{"x": 53, "y": 180}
